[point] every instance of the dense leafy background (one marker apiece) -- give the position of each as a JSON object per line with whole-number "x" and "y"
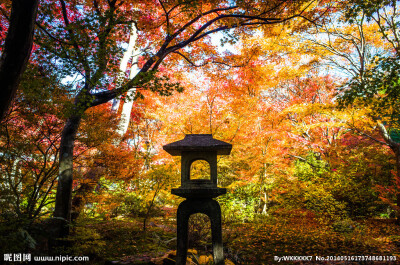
{"x": 310, "y": 105}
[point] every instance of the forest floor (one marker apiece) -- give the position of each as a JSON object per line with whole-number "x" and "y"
{"x": 124, "y": 240}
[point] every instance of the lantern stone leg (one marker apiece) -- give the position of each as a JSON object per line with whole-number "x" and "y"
{"x": 208, "y": 207}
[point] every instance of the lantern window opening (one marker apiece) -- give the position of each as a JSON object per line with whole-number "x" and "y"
{"x": 200, "y": 169}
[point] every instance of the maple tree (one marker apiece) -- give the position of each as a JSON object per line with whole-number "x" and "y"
{"x": 30, "y": 168}
{"x": 83, "y": 40}
{"x": 369, "y": 64}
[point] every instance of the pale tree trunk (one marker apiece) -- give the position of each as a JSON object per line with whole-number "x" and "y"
{"x": 126, "y": 113}
{"x": 128, "y": 103}
{"x": 14, "y": 184}
{"x": 130, "y": 52}
{"x": 264, "y": 210}
{"x": 14, "y": 175}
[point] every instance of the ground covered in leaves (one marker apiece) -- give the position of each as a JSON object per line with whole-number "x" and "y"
{"x": 123, "y": 241}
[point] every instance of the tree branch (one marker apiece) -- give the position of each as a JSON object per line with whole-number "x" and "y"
{"x": 386, "y": 136}
{"x": 164, "y": 50}
{"x": 74, "y": 42}
{"x": 50, "y": 35}
{"x": 368, "y": 136}
{"x": 166, "y": 17}
{"x": 303, "y": 160}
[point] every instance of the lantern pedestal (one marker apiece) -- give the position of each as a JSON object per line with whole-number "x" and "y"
{"x": 208, "y": 207}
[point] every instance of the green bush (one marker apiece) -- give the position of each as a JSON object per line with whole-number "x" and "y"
{"x": 240, "y": 204}
{"x": 133, "y": 205}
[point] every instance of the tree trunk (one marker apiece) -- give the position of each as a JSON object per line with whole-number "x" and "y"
{"x": 265, "y": 202}
{"x": 395, "y": 146}
{"x": 64, "y": 188}
{"x": 126, "y": 113}
{"x": 128, "y": 103}
{"x": 17, "y": 50}
{"x": 131, "y": 52}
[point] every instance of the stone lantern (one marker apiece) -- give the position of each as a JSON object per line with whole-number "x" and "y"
{"x": 199, "y": 192}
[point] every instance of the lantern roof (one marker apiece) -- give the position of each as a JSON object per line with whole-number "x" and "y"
{"x": 198, "y": 143}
